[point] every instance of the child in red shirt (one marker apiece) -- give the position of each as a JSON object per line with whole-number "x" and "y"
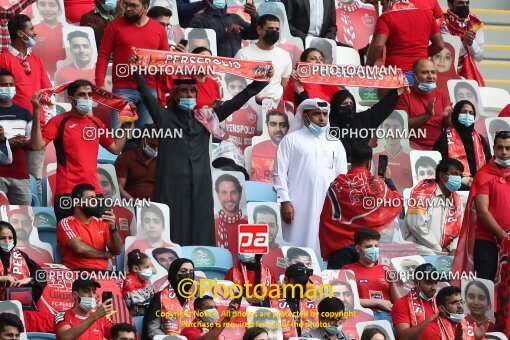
{"x": 138, "y": 290}
{"x": 374, "y": 291}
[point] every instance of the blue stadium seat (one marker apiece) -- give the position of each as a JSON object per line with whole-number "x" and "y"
{"x": 213, "y": 261}
{"x": 49, "y": 235}
{"x": 259, "y": 192}
{"x": 35, "y": 201}
{"x": 45, "y": 217}
{"x": 44, "y": 202}
{"x": 139, "y": 325}
{"x": 40, "y": 336}
{"x": 105, "y": 157}
{"x": 120, "y": 259}
{"x": 33, "y": 189}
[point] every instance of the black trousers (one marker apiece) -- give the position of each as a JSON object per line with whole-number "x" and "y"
{"x": 486, "y": 259}
{"x": 342, "y": 257}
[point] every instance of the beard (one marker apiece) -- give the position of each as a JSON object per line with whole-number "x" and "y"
{"x": 132, "y": 18}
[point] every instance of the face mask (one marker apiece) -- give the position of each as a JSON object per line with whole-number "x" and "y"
{"x": 87, "y": 303}
{"x": 247, "y": 258}
{"x": 7, "y": 93}
{"x": 109, "y": 5}
{"x": 91, "y": 211}
{"x": 466, "y": 119}
{"x": 187, "y": 104}
{"x": 84, "y": 106}
{"x": 346, "y": 108}
{"x": 317, "y": 130}
{"x": 462, "y": 11}
{"x": 333, "y": 330}
{"x": 30, "y": 42}
{"x": 502, "y": 162}
{"x": 218, "y": 4}
{"x": 211, "y": 316}
{"x": 425, "y": 297}
{"x": 454, "y": 182}
{"x": 6, "y": 248}
{"x": 371, "y": 254}
{"x": 150, "y": 152}
{"x": 426, "y": 87}
{"x": 453, "y": 317}
{"x": 181, "y": 277}
{"x": 271, "y": 37}
{"x": 146, "y": 274}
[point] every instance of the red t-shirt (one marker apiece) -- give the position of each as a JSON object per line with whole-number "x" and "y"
{"x": 505, "y": 112}
{"x": 262, "y": 161}
{"x": 96, "y": 234}
{"x": 39, "y": 321}
{"x": 415, "y": 104}
{"x": 98, "y": 331}
{"x": 400, "y": 166}
{"x": 132, "y": 283}
{"x": 207, "y": 92}
{"x": 37, "y": 254}
{"x": 371, "y": 281}
{"x": 50, "y": 46}
{"x": 119, "y": 38}
{"x": 499, "y": 201}
{"x": 431, "y": 6}
{"x": 192, "y": 333}
{"x": 403, "y": 48}
{"x": 76, "y": 156}
{"x": 71, "y": 73}
{"x": 26, "y": 85}
{"x": 275, "y": 260}
{"x": 76, "y": 8}
{"x": 401, "y": 314}
{"x": 241, "y": 127}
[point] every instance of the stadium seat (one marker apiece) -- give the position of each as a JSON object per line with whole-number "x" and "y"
{"x": 40, "y": 336}
{"x": 138, "y": 320}
{"x": 494, "y": 100}
{"x": 259, "y": 192}
{"x": 35, "y": 201}
{"x": 49, "y": 235}
{"x": 33, "y": 189}
{"x": 105, "y": 157}
{"x": 120, "y": 259}
{"x": 45, "y": 217}
{"x": 44, "y": 183}
{"x": 347, "y": 56}
{"x": 213, "y": 261}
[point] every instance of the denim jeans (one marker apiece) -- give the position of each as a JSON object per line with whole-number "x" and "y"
{"x": 134, "y": 97}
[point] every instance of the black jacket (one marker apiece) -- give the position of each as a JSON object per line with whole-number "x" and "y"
{"x": 298, "y": 15}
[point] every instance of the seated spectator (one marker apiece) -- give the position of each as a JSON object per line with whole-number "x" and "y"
{"x": 123, "y": 331}
{"x": 230, "y": 29}
{"x": 207, "y": 325}
{"x": 84, "y": 237}
{"x": 402, "y": 49}
{"x": 153, "y": 225}
{"x": 83, "y": 65}
{"x": 293, "y": 302}
{"x": 373, "y": 334}
{"x": 460, "y": 141}
{"x": 158, "y": 319}
{"x": 478, "y": 302}
{"x": 268, "y": 30}
{"x": 256, "y": 333}
{"x": 428, "y": 109}
{"x": 250, "y": 270}
{"x": 434, "y": 218}
{"x": 79, "y": 322}
{"x": 76, "y": 156}
{"x": 412, "y": 312}
{"x": 451, "y": 319}
{"x": 374, "y": 290}
{"x": 296, "y": 91}
{"x": 99, "y": 17}
{"x": 5, "y": 149}
{"x": 16, "y": 268}
{"x": 320, "y": 21}
{"x": 344, "y": 211}
{"x": 350, "y": 122}
{"x": 11, "y": 326}
{"x": 14, "y": 177}
{"x": 136, "y": 170}
{"x": 187, "y": 10}
{"x": 331, "y": 319}
{"x": 137, "y": 289}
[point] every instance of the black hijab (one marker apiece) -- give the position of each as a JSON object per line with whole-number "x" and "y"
{"x": 172, "y": 276}
{"x": 337, "y": 118}
{"x": 5, "y": 257}
{"x": 465, "y": 132}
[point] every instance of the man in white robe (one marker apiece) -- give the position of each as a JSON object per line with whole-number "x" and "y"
{"x": 306, "y": 164}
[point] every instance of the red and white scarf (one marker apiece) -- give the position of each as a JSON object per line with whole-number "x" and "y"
{"x": 416, "y": 307}
{"x": 456, "y": 149}
{"x": 225, "y": 221}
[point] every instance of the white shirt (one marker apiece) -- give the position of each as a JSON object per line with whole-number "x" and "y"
{"x": 477, "y": 49}
{"x": 5, "y": 159}
{"x": 281, "y": 62}
{"x": 316, "y": 17}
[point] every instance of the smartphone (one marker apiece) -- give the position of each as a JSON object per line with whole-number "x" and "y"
{"x": 249, "y": 2}
{"x": 184, "y": 42}
{"x": 381, "y": 167}
{"x": 106, "y": 295}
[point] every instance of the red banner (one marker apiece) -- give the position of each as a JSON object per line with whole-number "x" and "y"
{"x": 352, "y": 75}
{"x": 187, "y": 64}
{"x": 126, "y": 111}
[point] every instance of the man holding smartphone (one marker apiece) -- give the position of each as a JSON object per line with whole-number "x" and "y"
{"x": 85, "y": 320}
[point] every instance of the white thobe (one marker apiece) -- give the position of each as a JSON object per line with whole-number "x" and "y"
{"x": 304, "y": 168}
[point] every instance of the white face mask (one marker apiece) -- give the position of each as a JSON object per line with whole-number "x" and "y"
{"x": 87, "y": 303}
{"x": 84, "y": 106}
{"x": 7, "y": 93}
{"x": 211, "y": 316}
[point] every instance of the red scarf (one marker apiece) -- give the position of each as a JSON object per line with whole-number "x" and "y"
{"x": 400, "y": 5}
{"x": 127, "y": 113}
{"x": 458, "y": 26}
{"x": 502, "y": 287}
{"x": 240, "y": 275}
{"x": 416, "y": 307}
{"x": 456, "y": 149}
{"x": 307, "y": 316}
{"x": 423, "y": 194}
{"x": 463, "y": 261}
{"x": 447, "y": 329}
{"x": 18, "y": 268}
{"x": 174, "y": 316}
{"x": 225, "y": 223}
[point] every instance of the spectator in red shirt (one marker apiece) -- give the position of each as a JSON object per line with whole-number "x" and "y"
{"x": 374, "y": 291}
{"x": 134, "y": 29}
{"x": 428, "y": 109}
{"x": 11, "y": 326}
{"x": 79, "y": 322}
{"x": 123, "y": 331}
{"x": 76, "y": 155}
{"x": 412, "y": 312}
{"x": 83, "y": 238}
{"x": 402, "y": 48}
{"x": 137, "y": 289}
{"x": 6, "y": 14}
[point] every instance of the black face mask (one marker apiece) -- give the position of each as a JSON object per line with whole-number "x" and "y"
{"x": 271, "y": 37}
{"x": 181, "y": 277}
{"x": 92, "y": 211}
{"x": 132, "y": 18}
{"x": 461, "y": 11}
{"x": 346, "y": 108}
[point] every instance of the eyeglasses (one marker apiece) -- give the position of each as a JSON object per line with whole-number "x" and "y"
{"x": 133, "y": 6}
